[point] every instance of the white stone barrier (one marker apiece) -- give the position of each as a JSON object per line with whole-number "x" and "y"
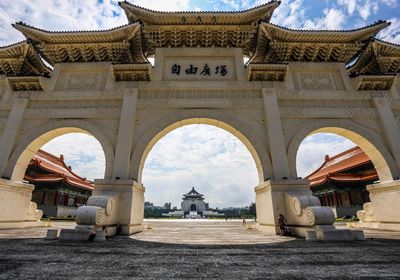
{"x": 303, "y": 212}
{"x": 383, "y": 212}
{"x": 90, "y": 215}
{"x": 16, "y": 208}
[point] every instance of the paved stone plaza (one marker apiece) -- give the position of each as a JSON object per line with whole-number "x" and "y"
{"x": 223, "y": 250}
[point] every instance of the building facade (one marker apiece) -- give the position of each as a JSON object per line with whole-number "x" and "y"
{"x": 193, "y": 204}
{"x": 58, "y": 190}
{"x": 341, "y": 181}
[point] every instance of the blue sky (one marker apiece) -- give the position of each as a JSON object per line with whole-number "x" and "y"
{"x": 211, "y": 159}
{"x": 96, "y": 14}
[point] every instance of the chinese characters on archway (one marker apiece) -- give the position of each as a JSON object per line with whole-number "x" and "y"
{"x": 204, "y": 70}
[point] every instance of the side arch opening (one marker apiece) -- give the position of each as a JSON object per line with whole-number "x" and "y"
{"x": 376, "y": 151}
{"x": 35, "y": 139}
{"x": 339, "y": 164}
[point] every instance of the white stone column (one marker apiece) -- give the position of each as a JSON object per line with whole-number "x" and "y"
{"x": 10, "y": 132}
{"x": 125, "y": 135}
{"x": 277, "y": 149}
{"x": 390, "y": 130}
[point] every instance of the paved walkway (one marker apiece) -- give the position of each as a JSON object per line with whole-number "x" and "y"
{"x": 215, "y": 253}
{"x": 206, "y": 232}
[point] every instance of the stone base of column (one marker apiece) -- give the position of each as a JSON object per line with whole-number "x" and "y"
{"x": 131, "y": 229}
{"x": 114, "y": 203}
{"x": 327, "y": 233}
{"x": 16, "y": 208}
{"x": 375, "y": 225}
{"x": 269, "y": 229}
{"x": 304, "y": 214}
{"x": 24, "y": 224}
{"x": 383, "y": 212}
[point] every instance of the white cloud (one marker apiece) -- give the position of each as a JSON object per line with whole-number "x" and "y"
{"x": 334, "y": 19}
{"x": 290, "y": 14}
{"x": 390, "y": 3}
{"x": 82, "y": 152}
{"x": 58, "y": 15}
{"x": 71, "y": 15}
{"x": 350, "y": 5}
{"x": 313, "y": 149}
{"x": 392, "y": 32}
{"x": 367, "y": 9}
{"x": 162, "y": 5}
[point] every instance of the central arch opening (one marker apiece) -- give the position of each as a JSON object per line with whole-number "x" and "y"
{"x": 200, "y": 168}
{"x": 200, "y": 175}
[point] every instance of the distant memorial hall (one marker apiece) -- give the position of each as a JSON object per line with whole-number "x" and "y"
{"x": 294, "y": 83}
{"x": 193, "y": 206}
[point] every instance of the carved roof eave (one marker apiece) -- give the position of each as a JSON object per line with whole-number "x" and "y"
{"x": 205, "y": 36}
{"x": 132, "y": 72}
{"x": 378, "y": 58}
{"x": 26, "y": 83}
{"x": 275, "y": 42}
{"x": 135, "y": 13}
{"x": 267, "y": 72}
{"x": 118, "y": 34}
{"x": 277, "y": 33}
{"x": 373, "y": 82}
{"x": 21, "y": 59}
{"x": 88, "y": 46}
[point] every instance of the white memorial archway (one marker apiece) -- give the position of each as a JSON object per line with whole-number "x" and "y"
{"x": 295, "y": 83}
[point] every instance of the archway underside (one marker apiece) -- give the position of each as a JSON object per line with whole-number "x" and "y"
{"x": 208, "y": 121}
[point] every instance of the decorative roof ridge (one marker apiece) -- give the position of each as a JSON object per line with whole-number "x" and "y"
{"x": 48, "y": 154}
{"x": 369, "y": 47}
{"x": 41, "y": 59}
{"x": 38, "y": 177}
{"x": 366, "y": 177}
{"x": 29, "y": 47}
{"x": 64, "y": 165}
{"x": 336, "y": 157}
{"x": 200, "y": 12}
{"x": 76, "y": 175}
{"x": 376, "y": 23}
{"x": 193, "y": 191}
{"x": 14, "y": 44}
{"x": 316, "y": 171}
{"x": 339, "y": 171}
{"x": 345, "y": 152}
{"x": 384, "y": 42}
{"x": 330, "y": 158}
{"x": 71, "y": 31}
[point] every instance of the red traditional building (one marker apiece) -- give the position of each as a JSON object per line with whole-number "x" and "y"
{"x": 341, "y": 181}
{"x": 58, "y": 190}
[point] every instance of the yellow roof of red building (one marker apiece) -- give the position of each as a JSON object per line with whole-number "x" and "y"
{"x": 334, "y": 168}
{"x": 58, "y": 171}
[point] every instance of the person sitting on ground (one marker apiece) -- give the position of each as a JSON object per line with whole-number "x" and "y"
{"x": 283, "y": 226}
